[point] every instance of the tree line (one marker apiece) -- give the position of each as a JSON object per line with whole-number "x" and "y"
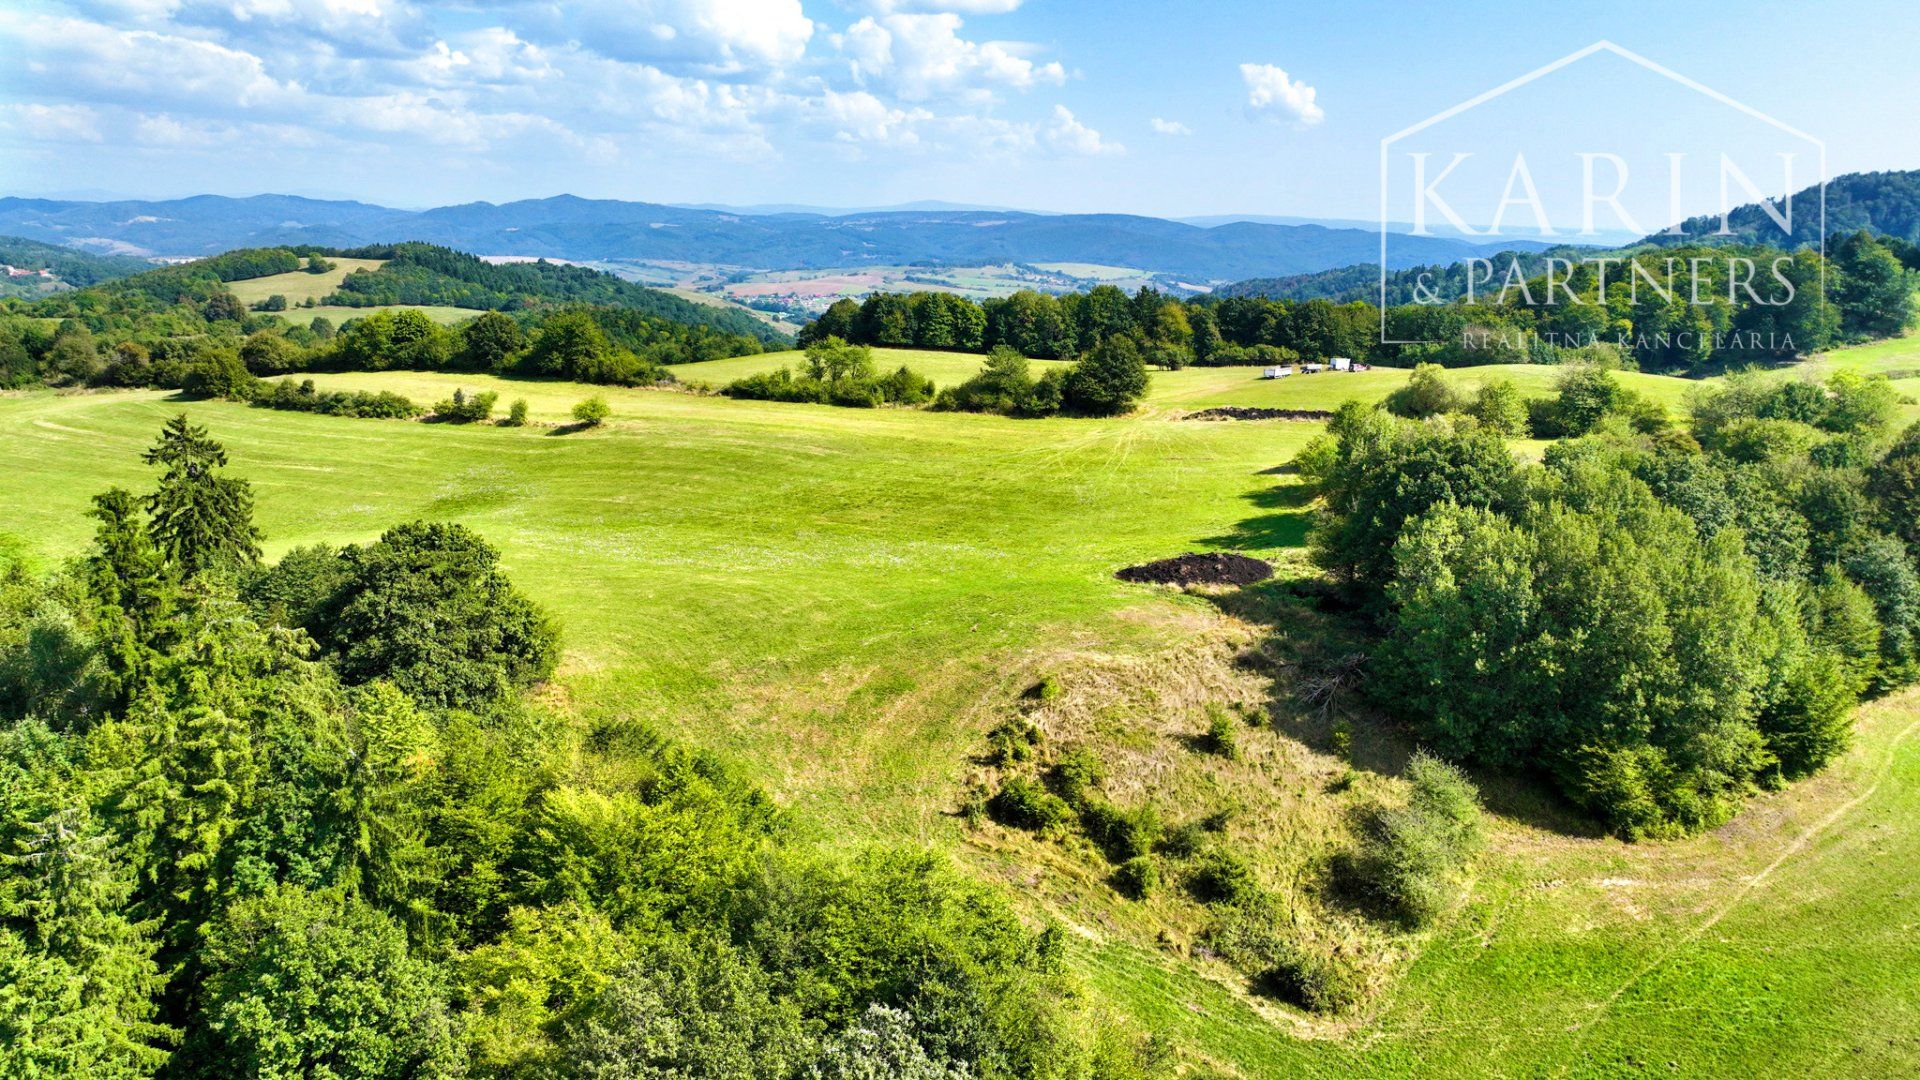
{"x": 1665, "y": 320}
{"x": 301, "y": 819}
{"x": 1659, "y": 619}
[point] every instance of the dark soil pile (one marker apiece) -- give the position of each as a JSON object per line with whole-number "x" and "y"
{"x": 1212, "y": 568}
{"x": 1244, "y": 412}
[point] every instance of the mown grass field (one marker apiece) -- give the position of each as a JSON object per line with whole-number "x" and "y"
{"x": 300, "y": 286}
{"x": 842, "y": 601}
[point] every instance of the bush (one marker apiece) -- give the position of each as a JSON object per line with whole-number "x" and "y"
{"x": 1223, "y": 733}
{"x": 516, "y": 414}
{"x": 1079, "y": 770}
{"x": 1011, "y": 741}
{"x": 461, "y": 409}
{"x": 592, "y": 412}
{"x": 1427, "y": 393}
{"x": 1315, "y": 980}
{"x": 1119, "y": 834}
{"x": 1137, "y": 878}
{"x": 1499, "y": 405}
{"x": 1218, "y": 876}
{"x": 1047, "y": 690}
{"x": 302, "y": 397}
{"x": 1408, "y": 857}
{"x": 1109, "y": 382}
{"x": 1022, "y": 803}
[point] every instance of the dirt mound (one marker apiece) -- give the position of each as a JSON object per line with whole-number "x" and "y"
{"x": 1245, "y": 412}
{"x": 1212, "y": 568}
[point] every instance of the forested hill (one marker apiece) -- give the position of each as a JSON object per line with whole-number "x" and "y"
{"x": 1362, "y": 280}
{"x": 586, "y": 230}
{"x": 427, "y": 274}
{"x": 70, "y": 267}
{"x": 1882, "y": 203}
{"x": 424, "y": 274}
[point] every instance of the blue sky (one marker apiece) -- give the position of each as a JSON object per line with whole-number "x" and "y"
{"x": 1173, "y": 109}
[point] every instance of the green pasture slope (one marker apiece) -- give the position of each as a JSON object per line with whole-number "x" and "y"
{"x": 837, "y": 600}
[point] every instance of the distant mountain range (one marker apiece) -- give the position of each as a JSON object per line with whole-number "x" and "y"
{"x": 566, "y": 227}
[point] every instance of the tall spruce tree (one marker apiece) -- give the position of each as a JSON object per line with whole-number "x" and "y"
{"x": 202, "y": 520}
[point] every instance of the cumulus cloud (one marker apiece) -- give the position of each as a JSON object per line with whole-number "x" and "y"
{"x": 1168, "y": 127}
{"x": 1069, "y": 136}
{"x": 600, "y": 82}
{"x": 1271, "y": 92}
{"x": 710, "y": 37}
{"x": 920, "y": 57}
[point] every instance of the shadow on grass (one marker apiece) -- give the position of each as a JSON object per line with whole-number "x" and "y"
{"x": 1287, "y": 515}
{"x": 1316, "y": 652}
{"x": 571, "y": 429}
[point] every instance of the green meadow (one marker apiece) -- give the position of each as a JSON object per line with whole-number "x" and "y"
{"x": 300, "y": 286}
{"x": 842, "y": 602}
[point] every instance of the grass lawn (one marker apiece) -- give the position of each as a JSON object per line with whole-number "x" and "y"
{"x": 842, "y": 601}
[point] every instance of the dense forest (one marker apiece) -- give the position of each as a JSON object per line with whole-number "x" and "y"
{"x": 1886, "y": 204}
{"x": 426, "y": 274}
{"x": 181, "y": 328}
{"x": 304, "y": 819}
{"x": 1660, "y": 620}
{"x": 1675, "y": 310}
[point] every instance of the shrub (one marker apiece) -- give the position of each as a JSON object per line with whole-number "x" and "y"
{"x": 1012, "y": 740}
{"x": 1047, "y": 690}
{"x": 1427, "y": 393}
{"x": 1119, "y": 834}
{"x": 1315, "y": 461}
{"x": 461, "y": 409}
{"x": 1218, "y": 876}
{"x": 1024, "y": 804}
{"x": 1222, "y": 735}
{"x": 516, "y": 414}
{"x": 302, "y": 397}
{"x": 1079, "y": 770}
{"x": 592, "y": 412}
{"x": 1408, "y": 856}
{"x": 1340, "y": 741}
{"x": 1109, "y": 382}
{"x": 1499, "y": 406}
{"x": 1137, "y": 878}
{"x": 1316, "y": 980}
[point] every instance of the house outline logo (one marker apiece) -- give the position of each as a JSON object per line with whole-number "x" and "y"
{"x": 1601, "y": 46}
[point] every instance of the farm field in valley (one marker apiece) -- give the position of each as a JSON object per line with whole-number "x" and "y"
{"x": 841, "y": 602}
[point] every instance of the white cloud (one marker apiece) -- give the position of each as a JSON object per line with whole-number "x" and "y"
{"x": 709, "y": 37}
{"x": 1070, "y": 136}
{"x": 963, "y": 7}
{"x": 52, "y": 123}
{"x": 1168, "y": 127}
{"x": 922, "y": 57}
{"x": 1271, "y": 92}
{"x": 519, "y": 83}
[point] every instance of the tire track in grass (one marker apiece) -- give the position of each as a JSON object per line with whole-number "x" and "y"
{"x": 1793, "y": 847}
